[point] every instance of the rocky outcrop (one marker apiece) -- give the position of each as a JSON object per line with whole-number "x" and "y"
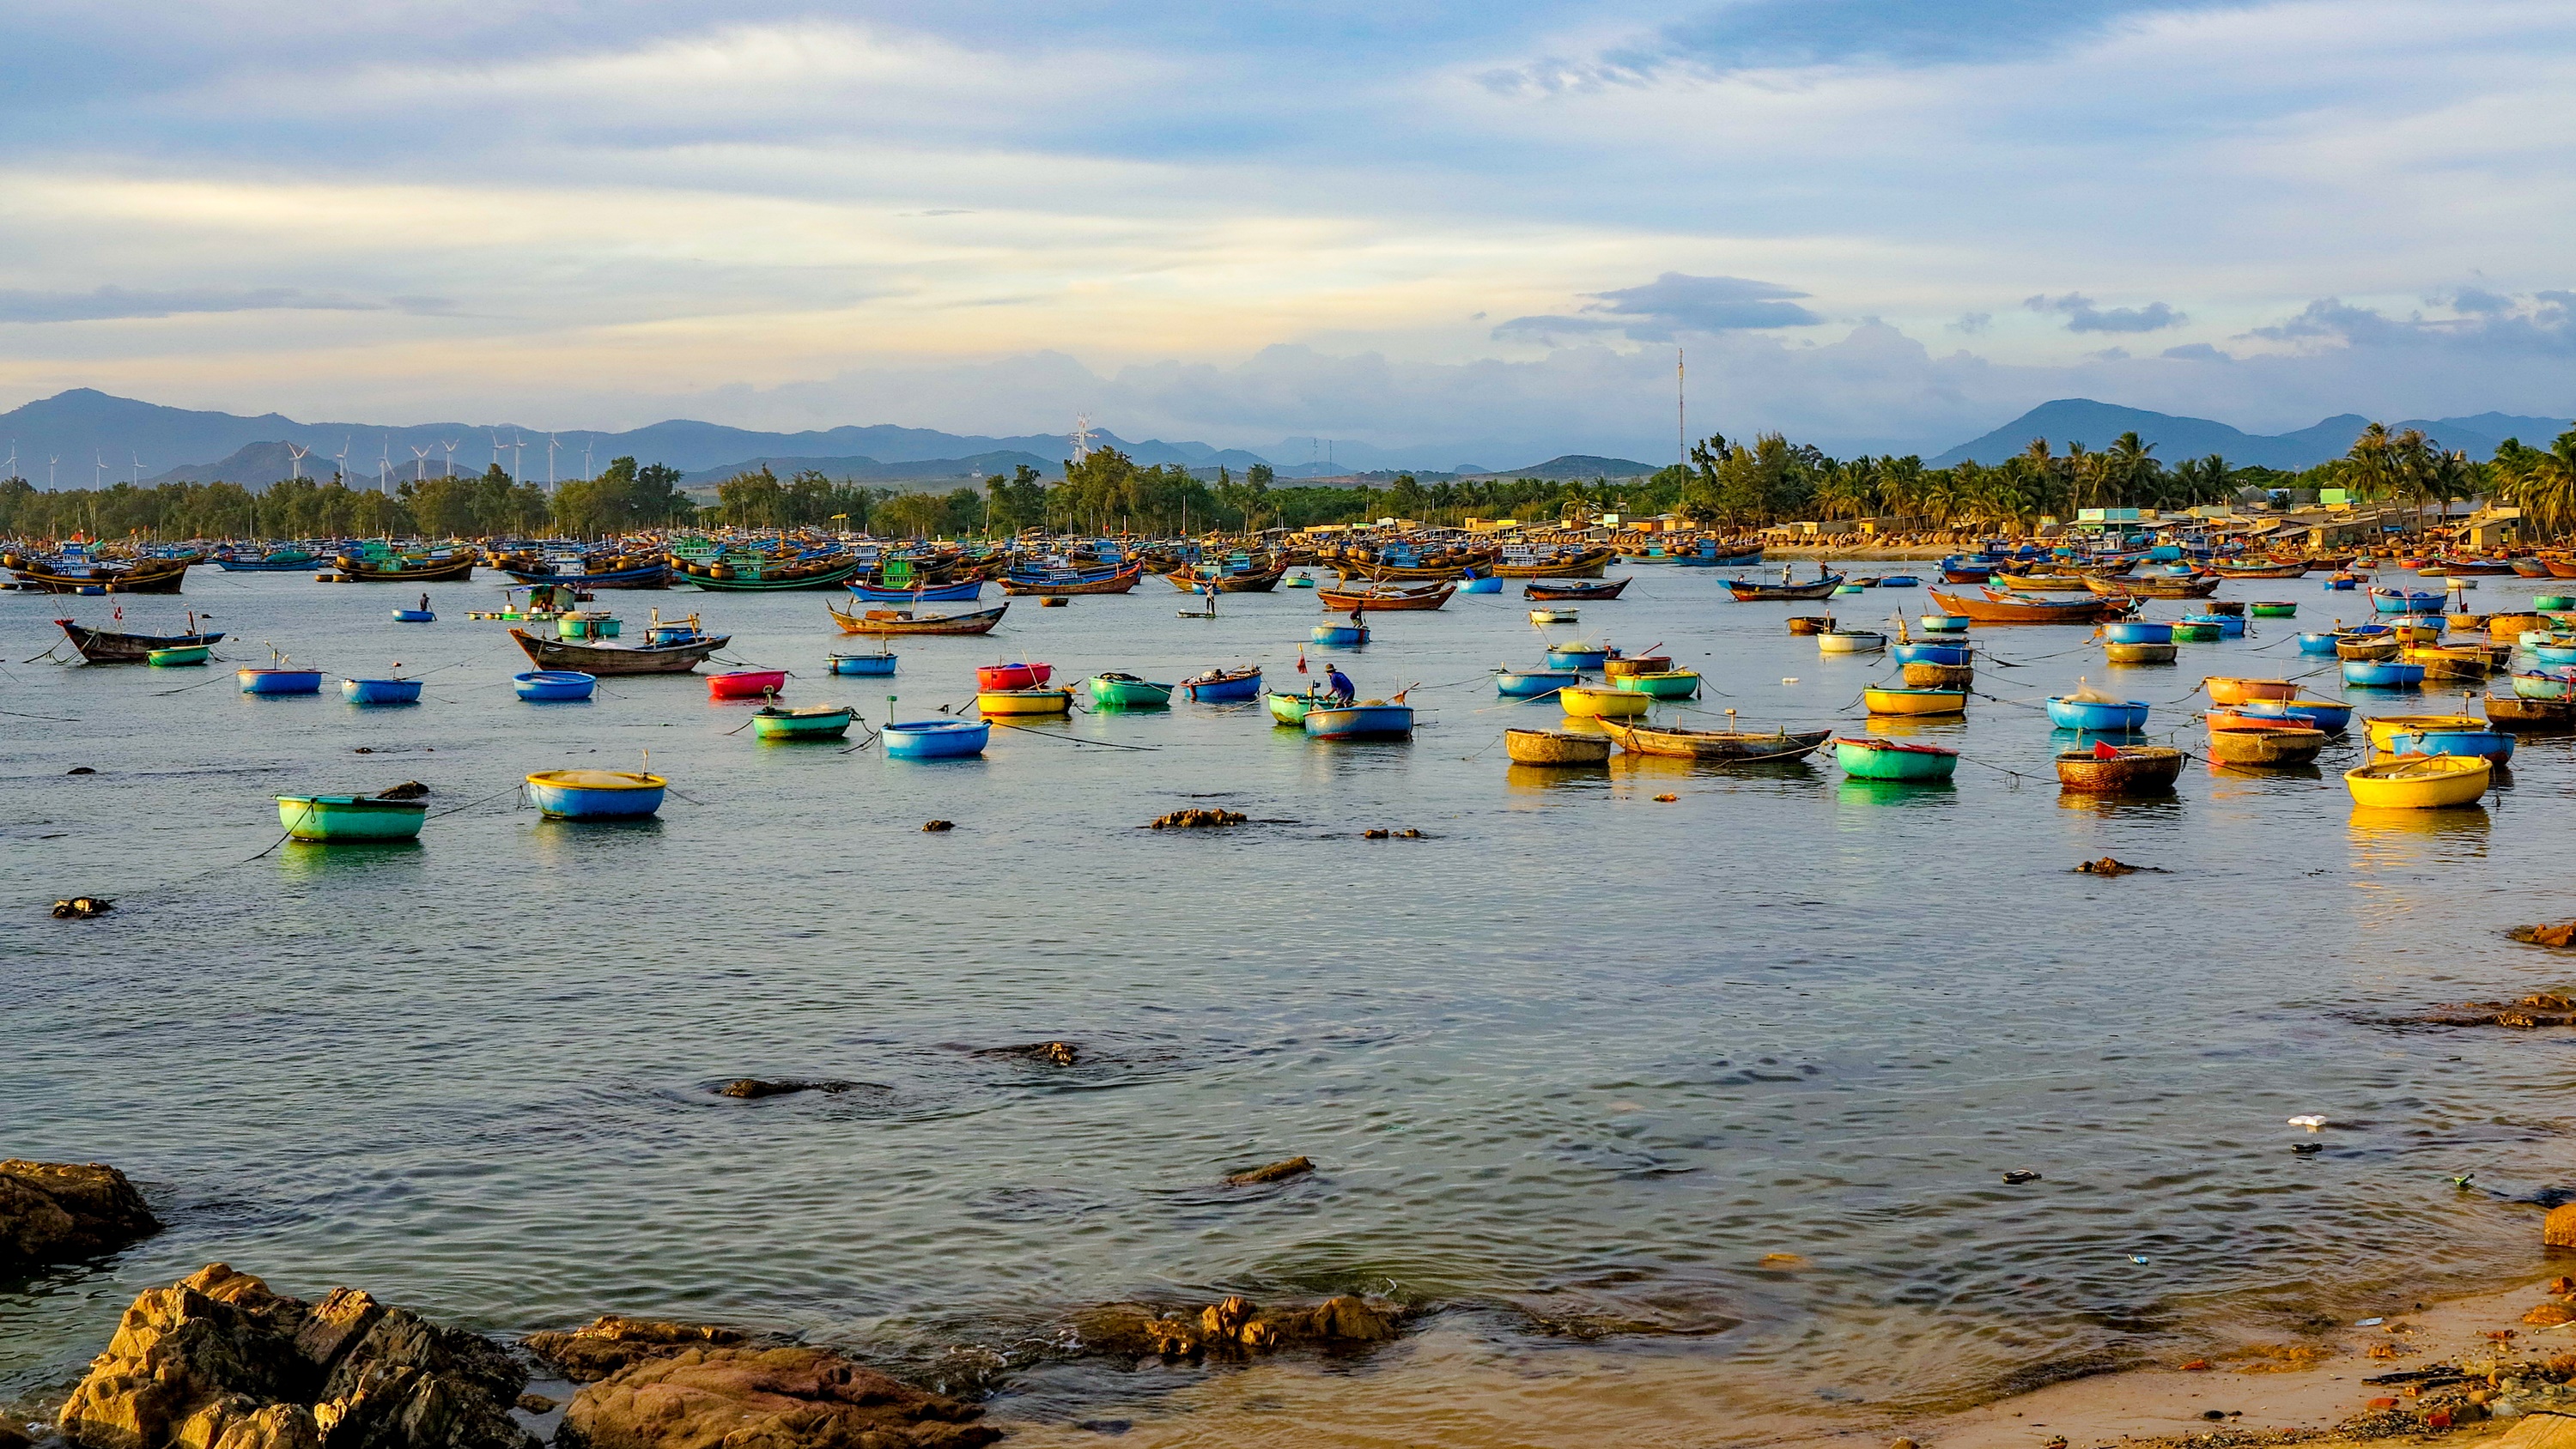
{"x": 217, "y": 1361}
{"x": 764, "y": 1398}
{"x": 2558, "y": 1230}
{"x": 52, "y": 1212}
{"x": 752, "y": 1089}
{"x": 610, "y": 1343}
{"x": 1232, "y": 1326}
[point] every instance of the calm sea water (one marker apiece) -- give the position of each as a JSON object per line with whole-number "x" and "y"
{"x": 1578, "y": 1051}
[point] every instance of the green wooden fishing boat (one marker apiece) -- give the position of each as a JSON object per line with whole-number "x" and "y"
{"x": 339, "y": 819}
{"x": 179, "y": 654}
{"x": 1126, "y": 691}
{"x": 1662, "y": 684}
{"x": 1868, "y": 757}
{"x": 2274, "y": 609}
{"x": 814, "y": 722}
{"x": 2196, "y": 633}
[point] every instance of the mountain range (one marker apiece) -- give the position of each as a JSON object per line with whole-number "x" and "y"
{"x": 2095, "y": 424}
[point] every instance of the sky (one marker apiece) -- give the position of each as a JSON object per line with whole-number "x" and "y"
{"x": 1466, "y": 232}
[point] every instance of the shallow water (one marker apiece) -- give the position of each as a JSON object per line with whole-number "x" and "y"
{"x": 1577, "y": 1054}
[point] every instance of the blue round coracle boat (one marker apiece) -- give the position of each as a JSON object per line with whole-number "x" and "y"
{"x": 1481, "y": 586}
{"x": 876, "y": 664}
{"x": 415, "y": 616}
{"x": 1932, "y": 653}
{"x": 2382, "y": 673}
{"x": 2230, "y": 626}
{"x": 2137, "y": 631}
{"x": 936, "y": 739}
{"x": 2318, "y": 643}
{"x": 1577, "y": 656}
{"x": 1531, "y": 683}
{"x": 2316, "y": 714}
{"x": 2493, "y": 745}
{"x": 553, "y": 686}
{"x": 279, "y": 681}
{"x": 1340, "y": 636}
{"x": 380, "y": 691}
{"x": 2101, "y": 717}
{"x": 596, "y": 794}
{"x": 1944, "y": 623}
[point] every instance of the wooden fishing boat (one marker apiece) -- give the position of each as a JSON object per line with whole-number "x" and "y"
{"x": 1989, "y": 609}
{"x": 1555, "y": 616}
{"x": 2120, "y": 770}
{"x": 670, "y": 652}
{"x": 1577, "y": 591}
{"x": 1578, "y": 656}
{"x": 396, "y": 690}
{"x": 1870, "y": 758}
{"x": 1370, "y": 719}
{"x": 2383, "y": 729}
{"x": 1223, "y": 686}
{"x": 1882, "y": 699}
{"x": 2380, "y": 645}
{"x": 1734, "y": 747}
{"x": 2382, "y": 673}
{"x": 275, "y": 561}
{"x": 80, "y": 574}
{"x": 936, "y": 739}
{"x": 959, "y": 592}
{"x": 404, "y": 568}
{"x": 1340, "y": 636}
{"x": 1250, "y": 581}
{"x": 2330, "y": 715}
{"x": 2531, "y": 716}
{"x": 1384, "y": 598}
{"x": 1024, "y": 701}
{"x": 597, "y": 794}
{"x": 1920, "y": 674}
{"x": 279, "y": 680}
{"x": 1023, "y": 674}
{"x": 2420, "y": 782}
{"x": 617, "y": 573}
{"x": 739, "y": 575}
{"x": 2237, "y": 691}
{"x": 1624, "y": 665}
{"x": 2399, "y": 601}
{"x": 1850, "y": 641}
{"x": 2545, "y": 684}
{"x": 813, "y": 722}
{"x": 1810, "y": 623}
{"x": 2475, "y": 739}
{"x": 1585, "y": 564}
{"x": 1127, "y": 691}
{"x": 1555, "y": 747}
{"x": 2264, "y": 742}
{"x": 100, "y": 646}
{"x": 2450, "y": 661}
{"x": 1663, "y": 684}
{"x": 742, "y": 684}
{"x": 1747, "y": 591}
{"x": 1602, "y": 701}
{"x": 2044, "y": 583}
{"x": 2139, "y": 653}
{"x": 1533, "y": 683}
{"x": 2509, "y": 628}
{"x": 1073, "y": 583}
{"x": 553, "y": 686}
{"x": 1291, "y": 709}
{"x": 884, "y": 622}
{"x": 347, "y": 819}
{"x": 2265, "y": 570}
{"x": 2152, "y": 586}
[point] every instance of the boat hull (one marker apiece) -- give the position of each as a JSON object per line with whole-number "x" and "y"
{"x": 936, "y": 739}
{"x": 2420, "y": 782}
{"x": 595, "y": 794}
{"x": 1736, "y": 747}
{"x": 1231, "y": 689}
{"x": 2139, "y": 653}
{"x": 1534, "y": 684}
{"x": 2146, "y": 770}
{"x": 2121, "y": 717}
{"x": 347, "y": 819}
{"x": 1130, "y": 694}
{"x": 1339, "y": 636}
{"x": 1360, "y": 722}
{"x": 2382, "y": 673}
{"x": 802, "y": 724}
{"x": 279, "y": 681}
{"x": 606, "y": 659}
{"x": 732, "y": 581}
{"x": 1290, "y": 709}
{"x": 876, "y": 666}
{"x": 177, "y": 654}
{"x": 883, "y": 623}
{"x": 2264, "y": 744}
{"x": 553, "y": 686}
{"x": 1592, "y": 701}
{"x": 1874, "y": 759}
{"x": 1670, "y": 684}
{"x": 956, "y": 593}
{"x": 1555, "y": 747}
{"x": 101, "y": 646}
{"x": 1024, "y": 701}
{"x": 380, "y": 691}
{"x": 1881, "y": 700}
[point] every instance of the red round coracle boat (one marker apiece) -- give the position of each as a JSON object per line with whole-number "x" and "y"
{"x": 746, "y": 684}
{"x": 1012, "y": 676}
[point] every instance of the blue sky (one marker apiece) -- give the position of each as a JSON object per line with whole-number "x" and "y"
{"x": 1448, "y": 228}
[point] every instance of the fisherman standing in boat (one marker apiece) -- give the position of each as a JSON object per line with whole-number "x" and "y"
{"x": 1343, "y": 691}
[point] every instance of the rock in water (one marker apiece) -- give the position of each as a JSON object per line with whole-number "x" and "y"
{"x": 753, "y": 1088}
{"x": 216, "y": 1361}
{"x": 1272, "y": 1172}
{"x": 609, "y": 1343}
{"x": 2558, "y": 1230}
{"x": 778, "y": 1398}
{"x": 51, "y": 1212}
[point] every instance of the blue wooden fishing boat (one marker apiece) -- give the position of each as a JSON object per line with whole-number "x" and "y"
{"x": 2493, "y": 745}
{"x": 1932, "y": 652}
{"x": 2382, "y": 673}
{"x": 1532, "y": 683}
{"x": 2137, "y": 631}
{"x": 380, "y": 691}
{"x": 2230, "y": 626}
{"x": 1944, "y": 623}
{"x": 1577, "y": 656}
{"x": 415, "y": 616}
{"x": 1488, "y": 585}
{"x": 1224, "y": 686}
{"x": 2398, "y": 601}
{"x": 2097, "y": 716}
{"x": 279, "y": 681}
{"x": 2552, "y": 653}
{"x": 1373, "y": 719}
{"x": 2318, "y": 642}
{"x": 1339, "y": 636}
{"x": 596, "y": 794}
{"x": 276, "y": 561}
{"x": 936, "y": 739}
{"x": 2342, "y": 584}
{"x": 1899, "y": 581}
{"x": 878, "y": 665}
{"x": 554, "y": 686}
{"x": 926, "y": 594}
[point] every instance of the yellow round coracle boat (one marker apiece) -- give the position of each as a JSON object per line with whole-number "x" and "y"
{"x": 2420, "y": 782}
{"x": 1024, "y": 701}
{"x": 1592, "y": 701}
{"x": 2386, "y": 727}
{"x": 1881, "y": 700}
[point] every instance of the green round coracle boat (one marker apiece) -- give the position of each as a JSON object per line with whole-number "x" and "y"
{"x": 2274, "y": 609}
{"x": 1869, "y": 758}
{"x": 1662, "y": 684}
{"x": 178, "y": 654}
{"x": 814, "y": 722}
{"x": 2186, "y": 633}
{"x": 339, "y": 819}
{"x": 1126, "y": 691}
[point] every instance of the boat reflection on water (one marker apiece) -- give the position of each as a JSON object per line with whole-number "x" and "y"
{"x": 565, "y": 844}
{"x": 314, "y": 860}
{"x": 1540, "y": 779}
{"x": 2132, "y": 807}
{"x": 1854, "y": 790}
{"x": 2398, "y": 841}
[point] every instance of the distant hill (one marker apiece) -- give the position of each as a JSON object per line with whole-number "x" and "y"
{"x": 83, "y": 428}
{"x": 872, "y": 470}
{"x": 2095, "y": 424}
{"x": 1575, "y": 466}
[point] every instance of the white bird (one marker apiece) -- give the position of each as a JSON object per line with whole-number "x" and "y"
{"x": 2309, "y": 1120}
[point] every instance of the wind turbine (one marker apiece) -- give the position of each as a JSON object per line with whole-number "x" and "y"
{"x": 586, "y": 441}
{"x": 385, "y": 466}
{"x": 451, "y": 458}
{"x": 13, "y": 457}
{"x": 550, "y": 461}
{"x": 295, "y": 457}
{"x": 518, "y": 456}
{"x": 340, "y": 473}
{"x": 102, "y": 468}
{"x": 50, "y": 461}
{"x": 419, "y": 464}
{"x": 496, "y": 450}
{"x": 138, "y": 467}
